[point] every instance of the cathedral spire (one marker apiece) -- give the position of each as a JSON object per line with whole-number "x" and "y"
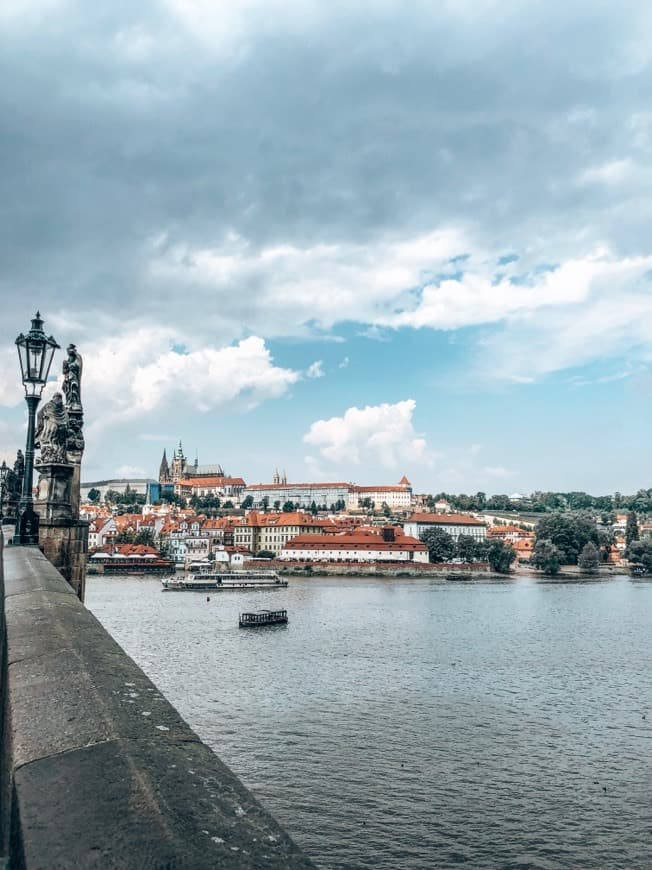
{"x": 164, "y": 470}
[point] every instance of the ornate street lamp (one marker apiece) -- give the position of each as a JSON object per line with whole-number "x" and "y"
{"x": 35, "y": 351}
{"x": 4, "y": 471}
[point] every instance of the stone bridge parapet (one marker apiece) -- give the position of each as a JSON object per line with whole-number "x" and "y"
{"x": 99, "y": 769}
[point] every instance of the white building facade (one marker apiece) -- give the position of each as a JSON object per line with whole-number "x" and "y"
{"x": 453, "y": 524}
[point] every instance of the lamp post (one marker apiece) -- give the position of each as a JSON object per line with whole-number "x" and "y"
{"x": 4, "y": 471}
{"x": 35, "y": 352}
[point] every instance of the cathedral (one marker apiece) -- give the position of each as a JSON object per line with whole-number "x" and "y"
{"x": 180, "y": 469}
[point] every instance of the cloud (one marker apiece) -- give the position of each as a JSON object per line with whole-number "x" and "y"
{"x": 612, "y": 320}
{"x": 282, "y": 167}
{"x": 139, "y": 373}
{"x": 376, "y": 433}
{"x": 12, "y": 437}
{"x": 344, "y": 364}
{"x": 315, "y": 370}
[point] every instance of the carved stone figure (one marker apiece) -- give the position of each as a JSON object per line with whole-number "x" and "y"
{"x": 72, "y": 374}
{"x": 19, "y": 466}
{"x": 52, "y": 430}
{"x": 75, "y": 440}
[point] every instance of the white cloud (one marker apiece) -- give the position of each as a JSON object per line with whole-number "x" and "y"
{"x": 376, "y": 433}
{"x": 613, "y": 172}
{"x": 315, "y": 370}
{"x": 344, "y": 363}
{"x": 140, "y": 373}
{"x": 478, "y": 297}
{"x": 613, "y": 321}
{"x": 302, "y": 288}
{"x": 12, "y": 437}
{"x": 11, "y": 389}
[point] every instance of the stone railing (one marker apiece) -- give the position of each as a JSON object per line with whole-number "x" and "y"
{"x": 99, "y": 770}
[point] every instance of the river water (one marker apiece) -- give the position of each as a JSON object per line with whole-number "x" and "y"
{"x": 419, "y": 724}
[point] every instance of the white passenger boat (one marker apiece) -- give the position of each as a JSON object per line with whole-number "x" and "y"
{"x": 207, "y": 578}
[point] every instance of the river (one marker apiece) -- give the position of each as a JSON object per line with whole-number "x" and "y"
{"x": 415, "y": 723}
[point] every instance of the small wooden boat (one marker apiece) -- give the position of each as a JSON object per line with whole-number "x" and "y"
{"x": 263, "y": 617}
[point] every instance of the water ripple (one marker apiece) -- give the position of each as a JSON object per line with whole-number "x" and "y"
{"x": 409, "y": 724}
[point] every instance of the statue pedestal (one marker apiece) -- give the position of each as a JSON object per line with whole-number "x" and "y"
{"x": 63, "y": 537}
{"x": 53, "y": 501}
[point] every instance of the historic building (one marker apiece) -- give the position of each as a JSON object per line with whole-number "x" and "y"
{"x": 453, "y": 524}
{"x": 186, "y": 479}
{"x": 180, "y": 469}
{"x": 388, "y": 544}
{"x": 346, "y": 495}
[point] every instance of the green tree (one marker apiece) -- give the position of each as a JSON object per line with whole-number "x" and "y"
{"x": 313, "y": 508}
{"x": 589, "y": 557}
{"x": 387, "y": 512}
{"x": 639, "y": 554}
{"x": 631, "y": 529}
{"x": 546, "y": 557}
{"x": 568, "y": 532}
{"x": 441, "y": 546}
{"x": 94, "y": 494}
{"x": 288, "y": 507}
{"x": 277, "y": 504}
{"x": 467, "y": 549}
{"x": 500, "y": 556}
{"x": 145, "y": 536}
{"x": 247, "y": 503}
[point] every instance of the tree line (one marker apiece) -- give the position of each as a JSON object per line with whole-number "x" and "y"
{"x": 575, "y": 539}
{"x": 442, "y": 547}
{"x": 544, "y": 502}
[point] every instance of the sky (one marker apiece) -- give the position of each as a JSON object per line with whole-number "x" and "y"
{"x": 348, "y": 240}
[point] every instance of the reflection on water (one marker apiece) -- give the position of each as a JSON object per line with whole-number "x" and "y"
{"x": 419, "y": 724}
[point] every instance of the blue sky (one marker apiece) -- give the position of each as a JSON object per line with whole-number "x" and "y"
{"x": 351, "y": 240}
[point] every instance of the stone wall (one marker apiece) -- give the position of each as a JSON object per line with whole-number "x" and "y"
{"x": 99, "y": 769}
{"x": 66, "y": 547}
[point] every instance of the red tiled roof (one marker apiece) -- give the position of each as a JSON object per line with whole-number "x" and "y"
{"x": 445, "y": 519}
{"x": 215, "y": 480}
{"x": 379, "y": 489}
{"x": 261, "y": 487}
{"x": 357, "y": 540}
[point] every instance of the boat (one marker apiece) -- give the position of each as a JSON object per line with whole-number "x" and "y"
{"x": 263, "y": 617}
{"x": 207, "y": 578}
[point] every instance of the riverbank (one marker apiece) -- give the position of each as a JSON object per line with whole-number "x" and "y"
{"x": 443, "y": 571}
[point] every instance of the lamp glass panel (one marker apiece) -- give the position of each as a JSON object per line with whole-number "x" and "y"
{"x": 48, "y": 356}
{"x": 22, "y": 356}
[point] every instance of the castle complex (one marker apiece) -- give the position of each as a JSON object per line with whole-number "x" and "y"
{"x": 180, "y": 469}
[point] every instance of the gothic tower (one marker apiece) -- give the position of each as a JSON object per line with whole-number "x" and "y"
{"x": 164, "y": 470}
{"x": 178, "y": 467}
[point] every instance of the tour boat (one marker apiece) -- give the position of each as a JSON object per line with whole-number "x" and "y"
{"x": 263, "y": 617}
{"x": 207, "y": 578}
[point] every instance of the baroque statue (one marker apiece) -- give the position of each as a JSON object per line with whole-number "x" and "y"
{"x": 52, "y": 430}
{"x": 72, "y": 373}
